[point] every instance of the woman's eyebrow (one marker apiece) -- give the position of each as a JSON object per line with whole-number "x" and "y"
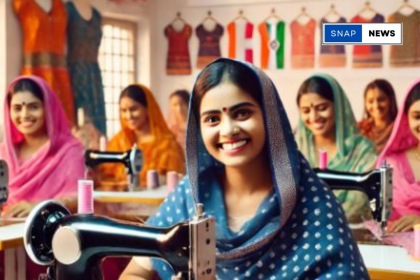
{"x": 230, "y": 109}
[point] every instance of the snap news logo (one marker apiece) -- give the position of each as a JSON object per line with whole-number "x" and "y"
{"x": 389, "y": 33}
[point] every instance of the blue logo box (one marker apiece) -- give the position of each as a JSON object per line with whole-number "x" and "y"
{"x": 337, "y": 33}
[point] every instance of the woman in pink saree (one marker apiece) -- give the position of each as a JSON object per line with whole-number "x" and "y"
{"x": 45, "y": 160}
{"x": 403, "y": 153}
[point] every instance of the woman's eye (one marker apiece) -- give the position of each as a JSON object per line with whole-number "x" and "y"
{"x": 241, "y": 114}
{"x": 211, "y": 119}
{"x": 322, "y": 108}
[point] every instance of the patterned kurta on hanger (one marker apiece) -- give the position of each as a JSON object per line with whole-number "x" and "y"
{"x": 240, "y": 40}
{"x": 367, "y": 56}
{"x": 407, "y": 54}
{"x": 44, "y": 41}
{"x": 272, "y": 44}
{"x": 178, "y": 59}
{"x": 209, "y": 49}
{"x": 332, "y": 55}
{"x": 303, "y": 44}
{"x": 84, "y": 40}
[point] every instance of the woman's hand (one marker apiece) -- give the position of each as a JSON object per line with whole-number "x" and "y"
{"x": 405, "y": 223}
{"x": 19, "y": 210}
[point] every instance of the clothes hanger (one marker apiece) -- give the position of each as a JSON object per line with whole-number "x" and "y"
{"x": 241, "y": 16}
{"x": 406, "y": 4}
{"x": 272, "y": 15}
{"x": 178, "y": 18}
{"x": 303, "y": 15}
{"x": 332, "y": 13}
{"x": 209, "y": 17}
{"x": 367, "y": 8}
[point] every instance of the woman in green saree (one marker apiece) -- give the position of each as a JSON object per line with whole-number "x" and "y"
{"x": 327, "y": 123}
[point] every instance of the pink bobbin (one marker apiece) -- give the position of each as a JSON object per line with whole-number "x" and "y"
{"x": 152, "y": 179}
{"x": 85, "y": 197}
{"x": 172, "y": 179}
{"x": 323, "y": 160}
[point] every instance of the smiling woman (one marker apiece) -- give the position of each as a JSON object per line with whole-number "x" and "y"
{"x": 380, "y": 113}
{"x": 403, "y": 153}
{"x": 327, "y": 123}
{"x": 244, "y": 167}
{"x": 45, "y": 160}
{"x": 143, "y": 125}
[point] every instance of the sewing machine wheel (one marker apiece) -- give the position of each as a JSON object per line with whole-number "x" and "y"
{"x": 40, "y": 225}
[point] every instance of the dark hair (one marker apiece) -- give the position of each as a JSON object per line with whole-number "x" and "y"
{"x": 216, "y": 73}
{"x": 412, "y": 97}
{"x": 316, "y": 85}
{"x": 384, "y": 86}
{"x": 26, "y": 84}
{"x": 136, "y": 93}
{"x": 183, "y": 94}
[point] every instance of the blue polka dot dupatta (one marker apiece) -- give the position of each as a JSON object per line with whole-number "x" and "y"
{"x": 299, "y": 231}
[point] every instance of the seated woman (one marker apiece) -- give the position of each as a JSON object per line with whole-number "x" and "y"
{"x": 178, "y": 112}
{"x": 45, "y": 160}
{"x": 380, "y": 113}
{"x": 143, "y": 124}
{"x": 327, "y": 123}
{"x": 403, "y": 153}
{"x": 244, "y": 166}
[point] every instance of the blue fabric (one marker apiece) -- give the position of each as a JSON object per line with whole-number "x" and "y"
{"x": 298, "y": 232}
{"x": 84, "y": 38}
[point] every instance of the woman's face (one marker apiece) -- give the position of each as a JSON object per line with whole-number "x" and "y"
{"x": 232, "y": 125}
{"x": 133, "y": 113}
{"x": 414, "y": 119}
{"x": 317, "y": 114}
{"x": 377, "y": 104}
{"x": 27, "y": 113}
{"x": 179, "y": 107}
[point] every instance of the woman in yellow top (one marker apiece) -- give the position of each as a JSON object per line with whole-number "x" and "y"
{"x": 142, "y": 123}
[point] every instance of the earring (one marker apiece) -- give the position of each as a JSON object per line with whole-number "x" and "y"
{"x": 236, "y": 130}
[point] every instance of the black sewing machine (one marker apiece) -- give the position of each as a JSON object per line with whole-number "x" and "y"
{"x": 4, "y": 182}
{"x": 132, "y": 160}
{"x": 73, "y": 246}
{"x": 376, "y": 184}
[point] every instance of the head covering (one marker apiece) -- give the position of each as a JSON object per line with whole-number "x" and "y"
{"x": 354, "y": 152}
{"x": 298, "y": 231}
{"x": 406, "y": 191}
{"x": 379, "y": 137}
{"x": 162, "y": 154}
{"x": 55, "y": 168}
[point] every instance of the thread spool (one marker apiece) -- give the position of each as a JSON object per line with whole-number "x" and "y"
{"x": 172, "y": 180}
{"x": 323, "y": 160}
{"x": 85, "y": 197}
{"x": 80, "y": 117}
{"x": 416, "y": 251}
{"x": 102, "y": 143}
{"x": 152, "y": 179}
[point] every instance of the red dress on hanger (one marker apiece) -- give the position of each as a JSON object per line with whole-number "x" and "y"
{"x": 44, "y": 38}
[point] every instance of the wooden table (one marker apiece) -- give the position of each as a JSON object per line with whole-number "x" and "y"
{"x": 386, "y": 262}
{"x": 11, "y": 242}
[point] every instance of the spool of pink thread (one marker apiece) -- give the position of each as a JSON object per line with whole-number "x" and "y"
{"x": 416, "y": 251}
{"x": 323, "y": 160}
{"x": 152, "y": 179}
{"x": 85, "y": 197}
{"x": 172, "y": 179}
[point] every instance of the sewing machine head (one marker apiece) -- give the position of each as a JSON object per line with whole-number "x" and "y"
{"x": 4, "y": 182}
{"x": 132, "y": 160}
{"x": 73, "y": 246}
{"x": 376, "y": 184}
